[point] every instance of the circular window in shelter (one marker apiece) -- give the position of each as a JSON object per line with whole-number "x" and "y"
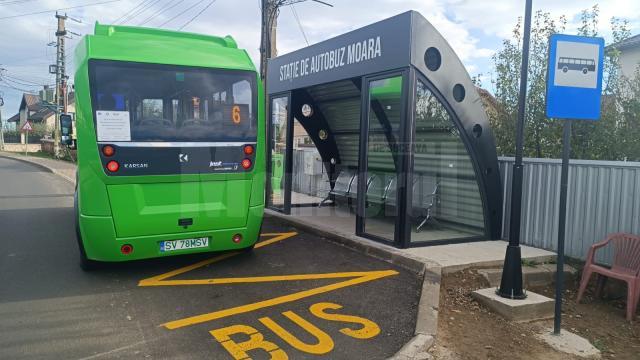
{"x": 459, "y": 92}
{"x": 432, "y": 59}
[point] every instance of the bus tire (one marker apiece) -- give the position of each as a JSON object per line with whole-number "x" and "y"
{"x": 86, "y": 264}
{"x": 249, "y": 249}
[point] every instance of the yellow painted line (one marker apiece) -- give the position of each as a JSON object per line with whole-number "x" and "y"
{"x": 278, "y": 237}
{"x": 259, "y": 279}
{"x": 369, "y": 276}
{"x": 153, "y": 281}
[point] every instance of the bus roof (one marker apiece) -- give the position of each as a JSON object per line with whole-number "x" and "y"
{"x": 160, "y": 46}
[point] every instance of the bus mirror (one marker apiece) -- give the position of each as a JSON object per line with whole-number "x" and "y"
{"x": 66, "y": 129}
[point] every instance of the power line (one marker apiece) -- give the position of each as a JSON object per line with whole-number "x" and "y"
{"x": 198, "y": 14}
{"x": 129, "y": 11}
{"x": 138, "y": 12}
{"x": 295, "y": 15}
{"x": 160, "y": 11}
{"x": 9, "y": 86}
{"x": 187, "y": 9}
{"x": 54, "y": 10}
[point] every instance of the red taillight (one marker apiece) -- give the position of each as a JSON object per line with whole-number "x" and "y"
{"x": 108, "y": 150}
{"x": 126, "y": 249}
{"x": 246, "y": 163}
{"x": 237, "y": 238}
{"x": 248, "y": 149}
{"x": 113, "y": 166}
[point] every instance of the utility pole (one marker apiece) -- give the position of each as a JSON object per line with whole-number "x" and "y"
{"x": 270, "y": 10}
{"x": 61, "y": 79}
{"x": 1, "y": 123}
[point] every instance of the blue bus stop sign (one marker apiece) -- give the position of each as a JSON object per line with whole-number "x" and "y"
{"x": 574, "y": 79}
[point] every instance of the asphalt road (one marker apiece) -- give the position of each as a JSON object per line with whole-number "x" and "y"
{"x": 284, "y": 298}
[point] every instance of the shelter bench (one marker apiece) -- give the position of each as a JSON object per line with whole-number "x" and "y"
{"x": 381, "y": 190}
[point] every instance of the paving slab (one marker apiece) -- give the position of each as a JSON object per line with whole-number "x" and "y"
{"x": 456, "y": 257}
{"x": 570, "y": 343}
{"x": 532, "y": 276}
{"x": 534, "y": 307}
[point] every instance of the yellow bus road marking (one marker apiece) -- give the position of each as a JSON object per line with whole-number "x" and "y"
{"x": 359, "y": 279}
{"x": 155, "y": 280}
{"x": 259, "y": 279}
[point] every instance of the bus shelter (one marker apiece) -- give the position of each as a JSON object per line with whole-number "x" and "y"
{"x": 381, "y": 132}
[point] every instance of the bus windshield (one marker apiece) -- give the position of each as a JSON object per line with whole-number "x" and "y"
{"x": 134, "y": 102}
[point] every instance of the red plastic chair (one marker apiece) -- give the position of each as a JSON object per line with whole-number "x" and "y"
{"x": 626, "y": 267}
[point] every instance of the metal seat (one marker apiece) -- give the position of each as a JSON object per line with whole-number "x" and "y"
{"x": 342, "y": 185}
{"x": 378, "y": 187}
{"x": 353, "y": 193}
{"x": 425, "y": 198}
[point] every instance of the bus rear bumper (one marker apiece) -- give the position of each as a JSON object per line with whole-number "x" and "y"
{"x": 101, "y": 243}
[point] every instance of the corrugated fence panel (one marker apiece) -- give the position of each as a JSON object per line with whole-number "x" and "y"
{"x": 603, "y": 197}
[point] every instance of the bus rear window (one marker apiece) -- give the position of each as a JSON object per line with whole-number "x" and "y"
{"x": 135, "y": 102}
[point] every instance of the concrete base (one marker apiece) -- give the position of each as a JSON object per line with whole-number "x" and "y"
{"x": 534, "y": 307}
{"x": 570, "y": 343}
{"x": 532, "y": 276}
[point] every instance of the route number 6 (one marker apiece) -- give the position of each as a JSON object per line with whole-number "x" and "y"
{"x": 235, "y": 114}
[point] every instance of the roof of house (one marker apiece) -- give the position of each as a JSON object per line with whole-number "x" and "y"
{"x": 31, "y": 99}
{"x": 15, "y": 118}
{"x": 41, "y": 114}
{"x": 633, "y": 41}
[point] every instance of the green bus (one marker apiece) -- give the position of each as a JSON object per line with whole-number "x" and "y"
{"x": 170, "y": 144}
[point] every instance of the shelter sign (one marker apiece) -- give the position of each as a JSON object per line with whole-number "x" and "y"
{"x": 380, "y": 46}
{"x": 574, "y": 81}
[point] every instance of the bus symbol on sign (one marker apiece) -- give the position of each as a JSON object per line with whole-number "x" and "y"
{"x": 584, "y": 65}
{"x": 576, "y": 64}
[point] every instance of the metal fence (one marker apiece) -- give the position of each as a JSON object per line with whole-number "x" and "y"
{"x": 603, "y": 197}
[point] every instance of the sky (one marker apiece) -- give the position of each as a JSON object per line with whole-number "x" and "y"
{"x": 475, "y": 29}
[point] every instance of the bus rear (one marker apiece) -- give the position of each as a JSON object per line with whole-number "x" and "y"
{"x": 170, "y": 145}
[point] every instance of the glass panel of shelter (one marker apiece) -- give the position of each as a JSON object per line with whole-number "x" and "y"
{"x": 309, "y": 180}
{"x": 277, "y": 152}
{"x": 445, "y": 202}
{"x": 384, "y": 117}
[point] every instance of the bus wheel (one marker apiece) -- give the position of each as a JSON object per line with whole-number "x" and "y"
{"x": 565, "y": 69}
{"x": 85, "y": 263}
{"x": 584, "y": 71}
{"x": 249, "y": 249}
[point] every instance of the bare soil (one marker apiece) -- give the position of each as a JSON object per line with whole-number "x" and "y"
{"x": 468, "y": 330}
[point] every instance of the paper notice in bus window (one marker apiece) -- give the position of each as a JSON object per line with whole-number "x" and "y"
{"x": 113, "y": 126}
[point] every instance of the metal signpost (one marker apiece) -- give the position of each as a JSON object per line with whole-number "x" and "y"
{"x": 26, "y": 128}
{"x": 574, "y": 88}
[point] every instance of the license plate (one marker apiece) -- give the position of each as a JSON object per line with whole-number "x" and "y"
{"x": 173, "y": 245}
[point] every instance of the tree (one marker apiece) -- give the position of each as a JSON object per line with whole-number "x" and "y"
{"x": 543, "y": 136}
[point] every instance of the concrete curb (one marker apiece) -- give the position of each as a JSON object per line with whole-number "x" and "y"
{"x": 37, "y": 164}
{"x": 427, "y": 318}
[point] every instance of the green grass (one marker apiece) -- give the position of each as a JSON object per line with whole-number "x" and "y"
{"x": 599, "y": 344}
{"x": 46, "y": 155}
{"x": 530, "y": 263}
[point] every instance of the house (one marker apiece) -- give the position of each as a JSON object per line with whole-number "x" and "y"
{"x": 39, "y": 109}
{"x": 629, "y": 56}
{"x": 11, "y": 121}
